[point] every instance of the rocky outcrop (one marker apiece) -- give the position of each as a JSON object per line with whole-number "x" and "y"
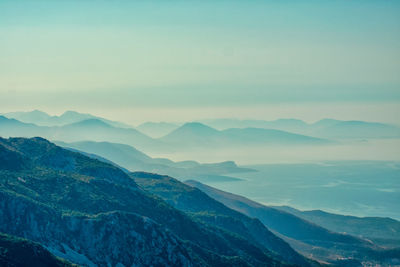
{"x": 106, "y": 239}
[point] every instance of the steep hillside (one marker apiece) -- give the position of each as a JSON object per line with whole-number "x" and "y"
{"x": 91, "y": 212}
{"x": 305, "y": 235}
{"x": 209, "y": 211}
{"x": 384, "y": 231}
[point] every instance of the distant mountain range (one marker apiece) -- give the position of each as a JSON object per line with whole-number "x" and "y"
{"x": 200, "y": 135}
{"x": 303, "y": 231}
{"x": 89, "y": 129}
{"x": 157, "y": 129}
{"x": 135, "y": 160}
{"x": 188, "y": 136}
{"x": 43, "y": 119}
{"x": 325, "y": 128}
{"x": 169, "y": 137}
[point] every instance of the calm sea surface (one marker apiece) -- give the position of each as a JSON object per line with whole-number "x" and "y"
{"x": 361, "y": 188}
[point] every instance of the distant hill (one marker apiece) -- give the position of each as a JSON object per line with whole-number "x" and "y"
{"x": 325, "y": 128}
{"x": 89, "y": 129}
{"x": 135, "y": 160}
{"x": 156, "y": 129}
{"x": 355, "y": 129}
{"x": 43, "y": 119}
{"x": 200, "y": 135}
{"x": 291, "y": 125}
{"x": 13, "y": 127}
{"x": 383, "y": 231}
{"x": 304, "y": 233}
{"x": 192, "y": 133}
{"x": 98, "y": 130}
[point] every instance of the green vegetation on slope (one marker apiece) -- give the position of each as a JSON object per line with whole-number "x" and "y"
{"x": 82, "y": 208}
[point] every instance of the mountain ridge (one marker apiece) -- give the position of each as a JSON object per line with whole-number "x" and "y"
{"x": 306, "y": 236}
{"x": 71, "y": 203}
{"x": 198, "y": 134}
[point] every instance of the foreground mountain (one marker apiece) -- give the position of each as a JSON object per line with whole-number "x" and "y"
{"x": 305, "y": 235}
{"x": 325, "y": 128}
{"x": 15, "y": 251}
{"x": 43, "y": 119}
{"x": 204, "y": 208}
{"x": 132, "y": 159}
{"x": 383, "y": 231}
{"x": 92, "y": 213}
{"x": 199, "y": 135}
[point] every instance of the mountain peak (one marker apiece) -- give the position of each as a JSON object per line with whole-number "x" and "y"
{"x": 75, "y": 115}
{"x": 91, "y": 123}
{"x": 38, "y": 112}
{"x": 326, "y": 121}
{"x": 192, "y": 132}
{"x": 197, "y": 126}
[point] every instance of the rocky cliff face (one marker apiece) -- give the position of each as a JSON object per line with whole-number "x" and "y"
{"x": 94, "y": 240}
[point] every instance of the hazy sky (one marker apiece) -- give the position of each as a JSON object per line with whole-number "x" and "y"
{"x": 174, "y": 60}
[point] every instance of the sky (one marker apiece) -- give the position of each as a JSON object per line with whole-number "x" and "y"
{"x": 185, "y": 60}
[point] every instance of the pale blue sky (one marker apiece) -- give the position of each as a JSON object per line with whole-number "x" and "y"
{"x": 191, "y": 59}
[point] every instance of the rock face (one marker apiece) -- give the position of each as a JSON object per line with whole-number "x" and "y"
{"x": 94, "y": 240}
{"x": 94, "y": 214}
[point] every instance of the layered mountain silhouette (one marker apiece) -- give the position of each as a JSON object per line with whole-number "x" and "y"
{"x": 325, "y": 128}
{"x": 188, "y": 136}
{"x": 43, "y": 119}
{"x": 157, "y": 129}
{"x": 200, "y": 135}
{"x": 89, "y": 129}
{"x": 93, "y": 213}
{"x": 132, "y": 159}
